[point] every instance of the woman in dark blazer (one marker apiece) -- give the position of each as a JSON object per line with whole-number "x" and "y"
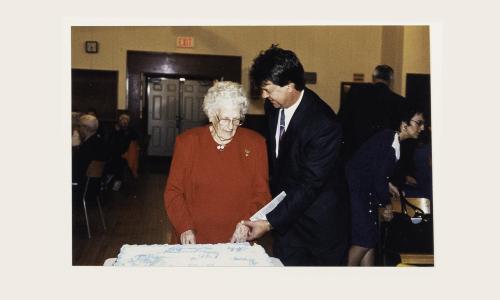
{"x": 368, "y": 173}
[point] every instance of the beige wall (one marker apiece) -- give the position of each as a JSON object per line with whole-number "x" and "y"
{"x": 392, "y": 53}
{"x": 333, "y": 52}
{"x": 416, "y": 52}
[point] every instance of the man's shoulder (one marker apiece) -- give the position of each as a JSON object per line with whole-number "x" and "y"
{"x": 397, "y": 97}
{"x": 316, "y": 108}
{"x": 385, "y": 92}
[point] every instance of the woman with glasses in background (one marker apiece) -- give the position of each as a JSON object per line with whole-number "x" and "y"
{"x": 368, "y": 175}
{"x": 219, "y": 173}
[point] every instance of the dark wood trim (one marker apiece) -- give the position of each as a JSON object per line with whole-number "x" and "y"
{"x": 141, "y": 64}
{"x": 418, "y": 90}
{"x": 96, "y": 89}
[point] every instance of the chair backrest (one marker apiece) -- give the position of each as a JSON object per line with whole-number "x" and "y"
{"x": 95, "y": 169}
{"x": 423, "y": 203}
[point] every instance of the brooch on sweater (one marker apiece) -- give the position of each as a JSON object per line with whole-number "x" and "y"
{"x": 247, "y": 152}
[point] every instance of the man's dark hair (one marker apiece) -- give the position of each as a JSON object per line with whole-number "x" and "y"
{"x": 278, "y": 66}
{"x": 383, "y": 72}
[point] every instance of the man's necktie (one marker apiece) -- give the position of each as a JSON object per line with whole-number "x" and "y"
{"x": 282, "y": 123}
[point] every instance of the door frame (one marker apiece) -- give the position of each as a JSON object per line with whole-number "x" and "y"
{"x": 142, "y": 64}
{"x": 418, "y": 90}
{"x": 146, "y": 119}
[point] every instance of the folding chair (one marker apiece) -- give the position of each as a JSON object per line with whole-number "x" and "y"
{"x": 94, "y": 172}
{"x": 421, "y": 204}
{"x": 413, "y": 208}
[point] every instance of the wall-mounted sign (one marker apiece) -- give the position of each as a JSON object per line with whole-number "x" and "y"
{"x": 310, "y": 77}
{"x": 91, "y": 46}
{"x": 185, "y": 42}
{"x": 358, "y": 77}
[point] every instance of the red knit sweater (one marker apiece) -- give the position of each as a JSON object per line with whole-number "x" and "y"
{"x": 210, "y": 191}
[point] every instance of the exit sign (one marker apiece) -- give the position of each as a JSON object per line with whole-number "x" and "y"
{"x": 185, "y": 42}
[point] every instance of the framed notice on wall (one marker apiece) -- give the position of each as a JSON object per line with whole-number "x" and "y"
{"x": 91, "y": 46}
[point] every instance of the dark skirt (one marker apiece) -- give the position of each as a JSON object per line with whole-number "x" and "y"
{"x": 364, "y": 214}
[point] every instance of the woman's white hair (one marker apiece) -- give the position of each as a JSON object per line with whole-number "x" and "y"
{"x": 222, "y": 95}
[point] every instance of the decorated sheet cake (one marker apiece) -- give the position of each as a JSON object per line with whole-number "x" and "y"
{"x": 199, "y": 255}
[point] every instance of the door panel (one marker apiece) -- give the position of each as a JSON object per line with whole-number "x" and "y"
{"x": 162, "y": 108}
{"x": 173, "y": 107}
{"x": 192, "y": 114}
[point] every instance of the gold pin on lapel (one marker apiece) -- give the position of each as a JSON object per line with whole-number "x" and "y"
{"x": 247, "y": 152}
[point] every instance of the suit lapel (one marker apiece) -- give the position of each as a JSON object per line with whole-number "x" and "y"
{"x": 298, "y": 119}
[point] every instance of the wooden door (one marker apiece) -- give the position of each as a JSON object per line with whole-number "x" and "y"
{"x": 192, "y": 94}
{"x": 174, "y": 106}
{"x": 163, "y": 98}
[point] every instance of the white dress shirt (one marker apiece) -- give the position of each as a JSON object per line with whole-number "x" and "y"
{"x": 288, "y": 117}
{"x": 396, "y": 145}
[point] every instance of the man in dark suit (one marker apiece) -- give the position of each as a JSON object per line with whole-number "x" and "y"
{"x": 368, "y": 109}
{"x": 309, "y": 225}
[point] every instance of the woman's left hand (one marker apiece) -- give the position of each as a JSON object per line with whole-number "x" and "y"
{"x": 393, "y": 190}
{"x": 387, "y": 213}
{"x": 240, "y": 234}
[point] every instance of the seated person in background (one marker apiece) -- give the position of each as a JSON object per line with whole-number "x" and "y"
{"x": 75, "y": 134}
{"x": 119, "y": 143}
{"x": 93, "y": 112}
{"x": 368, "y": 173}
{"x": 75, "y": 137}
{"x": 219, "y": 173}
{"x": 91, "y": 148}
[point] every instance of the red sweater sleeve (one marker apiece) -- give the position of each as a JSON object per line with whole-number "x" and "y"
{"x": 174, "y": 196}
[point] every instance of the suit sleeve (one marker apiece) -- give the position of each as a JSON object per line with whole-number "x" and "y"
{"x": 174, "y": 196}
{"x": 261, "y": 193}
{"x": 316, "y": 166}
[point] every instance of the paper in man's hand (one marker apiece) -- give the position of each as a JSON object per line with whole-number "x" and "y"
{"x": 261, "y": 214}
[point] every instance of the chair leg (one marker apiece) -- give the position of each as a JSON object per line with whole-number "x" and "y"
{"x": 384, "y": 254}
{"x": 85, "y": 208}
{"x": 100, "y": 212}
{"x": 382, "y": 227}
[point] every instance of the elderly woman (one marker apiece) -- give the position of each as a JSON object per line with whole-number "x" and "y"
{"x": 219, "y": 173}
{"x": 368, "y": 173}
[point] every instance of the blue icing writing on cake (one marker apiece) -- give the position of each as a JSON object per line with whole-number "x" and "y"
{"x": 199, "y": 255}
